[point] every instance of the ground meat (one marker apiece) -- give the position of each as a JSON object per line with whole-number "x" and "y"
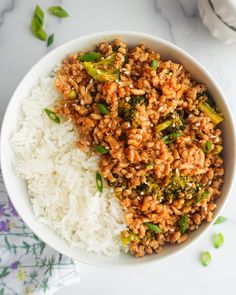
{"x": 165, "y": 181}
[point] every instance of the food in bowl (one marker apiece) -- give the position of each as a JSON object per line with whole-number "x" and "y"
{"x": 121, "y": 150}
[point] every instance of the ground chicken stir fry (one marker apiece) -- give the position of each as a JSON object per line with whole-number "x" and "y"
{"x": 156, "y": 131}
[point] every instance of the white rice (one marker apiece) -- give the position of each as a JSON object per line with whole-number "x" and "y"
{"x": 61, "y": 179}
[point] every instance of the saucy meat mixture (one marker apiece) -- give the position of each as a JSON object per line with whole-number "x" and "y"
{"x": 156, "y": 131}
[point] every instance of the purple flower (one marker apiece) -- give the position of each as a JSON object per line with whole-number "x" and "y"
{"x": 5, "y": 226}
{"x": 2, "y": 210}
{"x": 14, "y": 265}
{"x": 12, "y": 209}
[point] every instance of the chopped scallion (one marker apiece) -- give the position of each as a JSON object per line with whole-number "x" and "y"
{"x": 101, "y": 149}
{"x": 218, "y": 240}
{"x": 53, "y": 116}
{"x": 205, "y": 258}
{"x": 99, "y": 182}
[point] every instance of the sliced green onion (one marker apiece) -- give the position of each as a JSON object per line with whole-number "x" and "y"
{"x": 37, "y": 24}
{"x": 99, "y": 182}
{"x": 171, "y": 137}
{"x": 220, "y": 220}
{"x": 50, "y": 40}
{"x": 103, "y": 109}
{"x": 218, "y": 240}
{"x": 207, "y": 110}
{"x": 183, "y": 224}
{"x": 89, "y": 56}
{"x": 205, "y": 258}
{"x": 206, "y": 147}
{"x": 202, "y": 197}
{"x": 154, "y": 64}
{"x": 101, "y": 149}
{"x": 163, "y": 126}
{"x": 58, "y": 11}
{"x": 53, "y": 116}
{"x": 153, "y": 227}
{"x": 73, "y": 94}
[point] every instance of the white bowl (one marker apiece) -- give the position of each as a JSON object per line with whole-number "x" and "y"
{"x": 16, "y": 187}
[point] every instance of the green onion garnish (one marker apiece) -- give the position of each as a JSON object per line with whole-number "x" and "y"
{"x": 37, "y": 24}
{"x": 99, "y": 182}
{"x": 218, "y": 240}
{"x": 89, "y": 56}
{"x": 206, "y": 147}
{"x": 53, "y": 116}
{"x": 220, "y": 220}
{"x": 202, "y": 197}
{"x": 73, "y": 94}
{"x": 58, "y": 11}
{"x": 103, "y": 109}
{"x": 50, "y": 40}
{"x": 101, "y": 149}
{"x": 153, "y": 227}
{"x": 183, "y": 224}
{"x": 205, "y": 258}
{"x": 154, "y": 64}
{"x": 171, "y": 137}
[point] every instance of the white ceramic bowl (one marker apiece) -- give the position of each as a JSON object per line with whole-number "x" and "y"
{"x": 16, "y": 187}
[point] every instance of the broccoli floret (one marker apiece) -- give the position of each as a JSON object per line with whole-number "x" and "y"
{"x": 149, "y": 187}
{"x": 178, "y": 122}
{"x": 127, "y": 109}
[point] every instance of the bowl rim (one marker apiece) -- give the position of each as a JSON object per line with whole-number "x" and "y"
{"x": 110, "y": 35}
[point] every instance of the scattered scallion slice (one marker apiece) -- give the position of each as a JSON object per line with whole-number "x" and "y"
{"x": 89, "y": 56}
{"x": 171, "y": 137}
{"x": 99, "y": 182}
{"x": 73, "y": 94}
{"x": 218, "y": 240}
{"x": 37, "y": 24}
{"x": 101, "y": 149}
{"x": 53, "y": 116}
{"x": 183, "y": 224}
{"x": 50, "y": 40}
{"x": 153, "y": 227}
{"x": 58, "y": 11}
{"x": 220, "y": 220}
{"x": 154, "y": 64}
{"x": 206, "y": 147}
{"x": 205, "y": 258}
{"x": 103, "y": 109}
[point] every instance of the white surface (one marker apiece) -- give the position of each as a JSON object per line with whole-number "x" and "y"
{"x": 176, "y": 21}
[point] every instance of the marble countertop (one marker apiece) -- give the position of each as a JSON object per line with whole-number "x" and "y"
{"x": 176, "y": 21}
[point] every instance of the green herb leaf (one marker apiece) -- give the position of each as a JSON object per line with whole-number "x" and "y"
{"x": 206, "y": 147}
{"x": 153, "y": 227}
{"x": 220, "y": 220}
{"x": 53, "y": 116}
{"x": 205, "y": 258}
{"x": 218, "y": 240}
{"x": 101, "y": 149}
{"x": 103, "y": 109}
{"x": 89, "y": 56}
{"x": 154, "y": 64}
{"x": 73, "y": 94}
{"x": 183, "y": 224}
{"x": 171, "y": 137}
{"x": 50, "y": 40}
{"x": 37, "y": 24}
{"x": 58, "y": 11}
{"x": 99, "y": 182}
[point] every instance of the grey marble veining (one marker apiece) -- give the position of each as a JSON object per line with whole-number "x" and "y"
{"x": 5, "y": 8}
